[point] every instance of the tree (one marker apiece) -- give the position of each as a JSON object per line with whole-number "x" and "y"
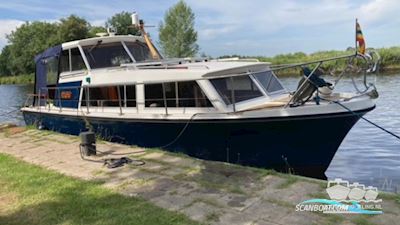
{"x": 4, "y": 61}
{"x": 177, "y": 35}
{"x": 27, "y": 41}
{"x": 73, "y": 28}
{"x": 123, "y": 23}
{"x": 95, "y": 30}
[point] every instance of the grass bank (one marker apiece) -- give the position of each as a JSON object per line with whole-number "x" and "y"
{"x": 20, "y": 79}
{"x": 390, "y": 60}
{"x": 32, "y": 195}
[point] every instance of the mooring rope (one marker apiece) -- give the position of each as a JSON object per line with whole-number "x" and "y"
{"x": 367, "y": 120}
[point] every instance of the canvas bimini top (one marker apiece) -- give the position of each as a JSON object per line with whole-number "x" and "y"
{"x": 42, "y": 61}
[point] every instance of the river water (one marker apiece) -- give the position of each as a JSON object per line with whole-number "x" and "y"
{"x": 367, "y": 155}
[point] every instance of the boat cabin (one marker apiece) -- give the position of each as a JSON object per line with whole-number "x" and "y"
{"x": 119, "y": 74}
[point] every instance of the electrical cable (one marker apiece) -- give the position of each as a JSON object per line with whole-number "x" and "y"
{"x": 111, "y": 162}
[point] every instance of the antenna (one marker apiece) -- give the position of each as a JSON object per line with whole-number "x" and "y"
{"x": 139, "y": 24}
{"x": 135, "y": 19}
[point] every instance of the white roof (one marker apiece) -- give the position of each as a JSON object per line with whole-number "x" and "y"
{"x": 107, "y": 39}
{"x": 182, "y": 72}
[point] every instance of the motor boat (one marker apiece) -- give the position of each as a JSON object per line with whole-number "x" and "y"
{"x": 230, "y": 110}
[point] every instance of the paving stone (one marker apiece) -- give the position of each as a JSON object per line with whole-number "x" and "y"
{"x": 301, "y": 218}
{"x": 270, "y": 212}
{"x": 210, "y": 192}
{"x": 236, "y": 218}
{"x": 172, "y": 202}
{"x": 201, "y": 211}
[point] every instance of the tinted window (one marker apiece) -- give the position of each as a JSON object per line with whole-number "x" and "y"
{"x": 103, "y": 96}
{"x": 154, "y": 96}
{"x": 191, "y": 95}
{"x": 64, "y": 61}
{"x": 244, "y": 88}
{"x": 178, "y": 94}
{"x": 76, "y": 60}
{"x": 139, "y": 51}
{"x": 131, "y": 96}
{"x": 269, "y": 82}
{"x": 106, "y": 55}
{"x": 52, "y": 70}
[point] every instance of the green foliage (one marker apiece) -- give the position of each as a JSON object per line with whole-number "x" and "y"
{"x": 390, "y": 57}
{"x": 123, "y": 23}
{"x": 20, "y": 79}
{"x": 26, "y": 42}
{"x": 4, "y": 61}
{"x": 177, "y": 35}
{"x": 73, "y": 28}
{"x": 33, "y": 38}
{"x": 390, "y": 60}
{"x": 45, "y": 197}
{"x": 96, "y": 29}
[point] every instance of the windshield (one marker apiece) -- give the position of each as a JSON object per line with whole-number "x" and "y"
{"x": 140, "y": 51}
{"x": 236, "y": 89}
{"x": 269, "y": 82}
{"x": 106, "y": 55}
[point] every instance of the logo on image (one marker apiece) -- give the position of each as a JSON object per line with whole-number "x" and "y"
{"x": 345, "y": 198}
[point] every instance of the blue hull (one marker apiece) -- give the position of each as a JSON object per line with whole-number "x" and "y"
{"x": 307, "y": 142}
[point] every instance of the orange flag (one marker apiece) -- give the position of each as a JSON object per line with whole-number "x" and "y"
{"x": 360, "y": 42}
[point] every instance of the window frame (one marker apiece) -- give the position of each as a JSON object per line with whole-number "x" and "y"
{"x": 124, "y": 47}
{"x": 244, "y": 102}
{"x": 125, "y": 43}
{"x": 124, "y": 103}
{"x": 263, "y": 89}
{"x": 176, "y": 99}
{"x": 73, "y": 72}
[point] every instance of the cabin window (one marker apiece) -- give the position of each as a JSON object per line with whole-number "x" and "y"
{"x": 71, "y": 60}
{"x": 108, "y": 96}
{"x": 51, "y": 70}
{"x": 64, "y": 61}
{"x": 139, "y": 51}
{"x": 177, "y": 94}
{"x": 77, "y": 62}
{"x": 130, "y": 93}
{"x": 51, "y": 75}
{"x": 241, "y": 87}
{"x": 269, "y": 82}
{"x": 154, "y": 96}
{"x": 106, "y": 55}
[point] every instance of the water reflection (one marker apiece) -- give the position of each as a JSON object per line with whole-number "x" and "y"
{"x": 12, "y": 97}
{"x": 367, "y": 154}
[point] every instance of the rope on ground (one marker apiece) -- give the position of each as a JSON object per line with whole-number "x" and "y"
{"x": 367, "y": 120}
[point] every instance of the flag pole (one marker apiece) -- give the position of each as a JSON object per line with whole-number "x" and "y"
{"x": 355, "y": 38}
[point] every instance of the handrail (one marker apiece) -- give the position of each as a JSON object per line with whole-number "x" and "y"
{"x": 122, "y": 100}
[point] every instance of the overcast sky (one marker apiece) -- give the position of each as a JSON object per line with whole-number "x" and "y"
{"x": 251, "y": 27}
